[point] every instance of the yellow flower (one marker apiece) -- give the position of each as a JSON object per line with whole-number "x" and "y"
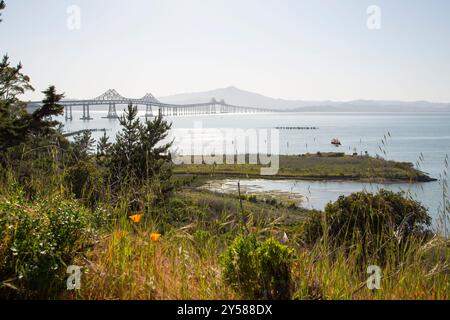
{"x": 136, "y": 218}
{"x": 155, "y": 236}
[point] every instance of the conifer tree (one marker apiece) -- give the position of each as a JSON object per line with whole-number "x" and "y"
{"x": 103, "y": 151}
{"x": 103, "y": 146}
{"x": 12, "y": 81}
{"x": 154, "y": 152}
{"x": 139, "y": 154}
{"x": 82, "y": 145}
{"x": 41, "y": 122}
{"x": 16, "y": 124}
{"x": 125, "y": 152}
{"x": 2, "y": 7}
{"x": 14, "y": 120}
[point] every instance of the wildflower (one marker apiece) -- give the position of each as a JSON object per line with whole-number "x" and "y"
{"x": 14, "y": 250}
{"x": 155, "y": 236}
{"x": 121, "y": 234}
{"x": 136, "y": 218}
{"x": 284, "y": 239}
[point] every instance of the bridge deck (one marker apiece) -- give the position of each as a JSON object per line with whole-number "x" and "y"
{"x": 112, "y": 98}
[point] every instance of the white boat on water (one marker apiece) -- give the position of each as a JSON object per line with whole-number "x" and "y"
{"x": 336, "y": 142}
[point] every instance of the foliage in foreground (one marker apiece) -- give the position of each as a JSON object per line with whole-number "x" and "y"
{"x": 38, "y": 239}
{"x": 380, "y": 224}
{"x": 258, "y": 270}
{"x": 186, "y": 262}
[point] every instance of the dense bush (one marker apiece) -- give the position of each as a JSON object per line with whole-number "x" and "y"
{"x": 369, "y": 221}
{"x": 85, "y": 181}
{"x": 178, "y": 213}
{"x": 258, "y": 270}
{"x": 37, "y": 241}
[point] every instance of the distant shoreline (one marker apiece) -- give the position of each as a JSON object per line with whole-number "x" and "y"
{"x": 319, "y": 167}
{"x": 223, "y": 176}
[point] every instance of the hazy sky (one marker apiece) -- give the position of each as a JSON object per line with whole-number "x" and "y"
{"x": 312, "y": 50}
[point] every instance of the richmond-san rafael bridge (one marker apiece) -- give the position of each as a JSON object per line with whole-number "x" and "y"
{"x": 153, "y": 107}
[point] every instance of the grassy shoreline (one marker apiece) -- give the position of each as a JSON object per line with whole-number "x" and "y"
{"x": 320, "y": 166}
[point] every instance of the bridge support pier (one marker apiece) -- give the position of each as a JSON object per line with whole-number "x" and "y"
{"x": 68, "y": 113}
{"x": 86, "y": 114}
{"x": 112, "y": 113}
{"x": 148, "y": 111}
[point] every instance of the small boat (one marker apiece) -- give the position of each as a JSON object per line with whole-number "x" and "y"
{"x": 336, "y": 142}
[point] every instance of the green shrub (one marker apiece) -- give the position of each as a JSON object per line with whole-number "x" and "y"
{"x": 102, "y": 217}
{"x": 258, "y": 270}
{"x": 201, "y": 237}
{"x": 37, "y": 240}
{"x": 178, "y": 213}
{"x": 271, "y": 201}
{"x": 204, "y": 242}
{"x": 85, "y": 181}
{"x": 313, "y": 228}
{"x": 372, "y": 223}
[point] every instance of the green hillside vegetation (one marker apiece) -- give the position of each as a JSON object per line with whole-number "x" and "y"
{"x": 318, "y": 166}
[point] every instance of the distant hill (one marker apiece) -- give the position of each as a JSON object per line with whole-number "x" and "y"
{"x": 233, "y": 95}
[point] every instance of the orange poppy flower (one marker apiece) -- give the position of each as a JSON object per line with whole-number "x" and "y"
{"x": 155, "y": 236}
{"x": 136, "y": 218}
{"x": 121, "y": 234}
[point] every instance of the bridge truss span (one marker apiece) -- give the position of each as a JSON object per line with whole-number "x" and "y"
{"x": 153, "y": 107}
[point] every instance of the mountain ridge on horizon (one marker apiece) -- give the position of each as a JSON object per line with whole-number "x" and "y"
{"x": 236, "y": 96}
